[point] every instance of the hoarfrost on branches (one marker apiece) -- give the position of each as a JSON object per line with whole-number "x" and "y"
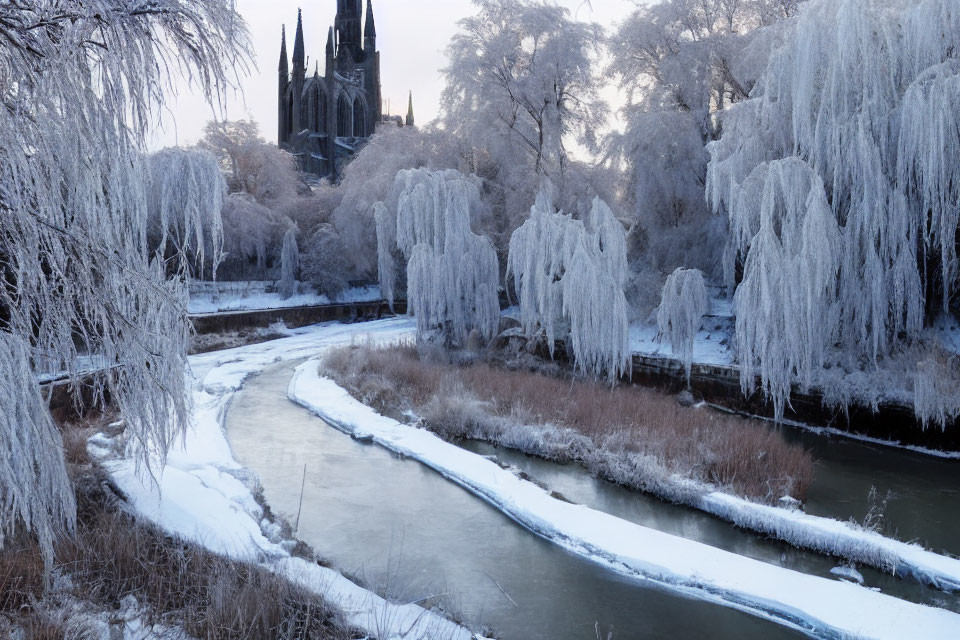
{"x": 386, "y": 243}
{"x": 34, "y": 489}
{"x": 82, "y": 83}
{"x": 453, "y": 275}
{"x": 841, "y": 178}
{"x": 680, "y": 314}
{"x": 936, "y": 399}
{"x": 289, "y": 262}
{"x": 569, "y": 277}
{"x": 185, "y": 195}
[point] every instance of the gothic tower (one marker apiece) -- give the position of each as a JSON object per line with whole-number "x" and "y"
{"x": 299, "y": 77}
{"x": 325, "y": 118}
{"x": 283, "y": 118}
{"x": 347, "y": 27}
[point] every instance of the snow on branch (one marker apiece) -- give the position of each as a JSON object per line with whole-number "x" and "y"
{"x": 185, "y": 194}
{"x": 569, "y": 277}
{"x": 841, "y": 177}
{"x": 34, "y": 488}
{"x": 680, "y": 314}
{"x": 82, "y": 81}
{"x": 453, "y": 277}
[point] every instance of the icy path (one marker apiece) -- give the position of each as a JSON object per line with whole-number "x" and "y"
{"x": 200, "y": 495}
{"x": 824, "y": 607}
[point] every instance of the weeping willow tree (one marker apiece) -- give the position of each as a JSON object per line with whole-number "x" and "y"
{"x": 841, "y": 179}
{"x": 289, "y": 262}
{"x": 569, "y": 276}
{"x": 680, "y": 314}
{"x": 185, "y": 196}
{"x": 453, "y": 277}
{"x": 81, "y": 82}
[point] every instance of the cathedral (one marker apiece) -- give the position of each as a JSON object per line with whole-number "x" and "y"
{"x": 324, "y": 119}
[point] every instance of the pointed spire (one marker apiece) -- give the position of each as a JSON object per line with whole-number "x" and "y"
{"x": 410, "y": 120}
{"x": 284, "y": 62}
{"x": 298, "y": 59}
{"x": 330, "y": 43}
{"x": 370, "y": 28}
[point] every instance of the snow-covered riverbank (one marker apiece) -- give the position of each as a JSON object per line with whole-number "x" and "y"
{"x": 821, "y": 606}
{"x": 203, "y": 494}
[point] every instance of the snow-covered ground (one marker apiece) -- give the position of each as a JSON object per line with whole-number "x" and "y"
{"x": 798, "y": 600}
{"x": 713, "y": 344}
{"x": 203, "y": 494}
{"x": 207, "y": 301}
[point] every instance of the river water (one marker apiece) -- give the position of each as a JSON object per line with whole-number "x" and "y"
{"x": 924, "y": 491}
{"x": 407, "y": 532}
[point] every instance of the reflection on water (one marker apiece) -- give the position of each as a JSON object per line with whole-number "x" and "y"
{"x": 924, "y": 503}
{"x": 577, "y": 485}
{"x": 401, "y": 526}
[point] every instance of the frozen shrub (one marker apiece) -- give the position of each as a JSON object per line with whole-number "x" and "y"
{"x": 289, "y": 262}
{"x": 681, "y": 312}
{"x": 324, "y": 262}
{"x": 185, "y": 193}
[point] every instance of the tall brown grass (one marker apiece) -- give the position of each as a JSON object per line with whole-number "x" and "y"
{"x": 745, "y": 456}
{"x": 113, "y": 555}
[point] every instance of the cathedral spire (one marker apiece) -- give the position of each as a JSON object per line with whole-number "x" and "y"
{"x": 347, "y": 25}
{"x": 410, "y": 120}
{"x": 284, "y": 62}
{"x": 370, "y": 28}
{"x": 298, "y": 56}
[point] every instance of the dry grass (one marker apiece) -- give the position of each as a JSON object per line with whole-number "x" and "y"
{"x": 114, "y": 555}
{"x": 476, "y": 400}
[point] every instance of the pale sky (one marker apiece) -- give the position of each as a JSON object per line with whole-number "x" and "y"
{"x": 411, "y": 37}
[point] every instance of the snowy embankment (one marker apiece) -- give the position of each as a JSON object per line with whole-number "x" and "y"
{"x": 818, "y": 605}
{"x": 201, "y": 495}
{"x": 203, "y": 302}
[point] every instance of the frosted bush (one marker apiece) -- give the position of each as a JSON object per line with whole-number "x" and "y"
{"x": 569, "y": 277}
{"x": 841, "y": 177}
{"x": 452, "y": 273}
{"x": 680, "y": 314}
{"x": 937, "y": 388}
{"x": 386, "y": 243}
{"x": 289, "y": 262}
{"x": 324, "y": 262}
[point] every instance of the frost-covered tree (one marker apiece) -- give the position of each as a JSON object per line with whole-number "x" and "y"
{"x": 289, "y": 262}
{"x": 370, "y": 178}
{"x": 453, "y": 277}
{"x": 681, "y": 64}
{"x": 841, "y": 177}
{"x": 569, "y": 276}
{"x": 680, "y": 314}
{"x": 82, "y": 81}
{"x": 185, "y": 194}
{"x": 252, "y": 164}
{"x": 522, "y": 83}
{"x": 325, "y": 262}
{"x": 249, "y": 231}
